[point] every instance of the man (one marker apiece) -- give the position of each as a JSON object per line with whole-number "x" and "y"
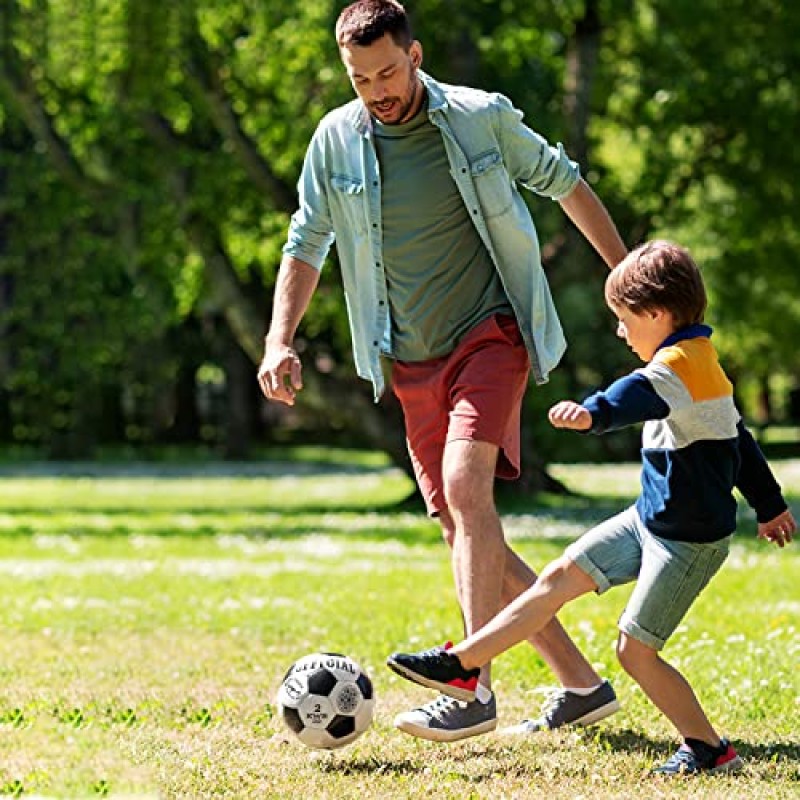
{"x": 417, "y": 181}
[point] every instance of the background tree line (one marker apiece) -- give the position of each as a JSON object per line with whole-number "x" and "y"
{"x": 148, "y": 160}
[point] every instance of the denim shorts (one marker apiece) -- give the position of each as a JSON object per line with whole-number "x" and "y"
{"x": 669, "y": 574}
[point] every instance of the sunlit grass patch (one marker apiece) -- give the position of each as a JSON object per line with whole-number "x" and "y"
{"x": 148, "y": 620}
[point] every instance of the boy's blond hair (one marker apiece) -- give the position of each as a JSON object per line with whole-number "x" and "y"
{"x": 659, "y": 275}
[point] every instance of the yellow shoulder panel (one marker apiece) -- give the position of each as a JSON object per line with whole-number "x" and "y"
{"x": 695, "y": 362}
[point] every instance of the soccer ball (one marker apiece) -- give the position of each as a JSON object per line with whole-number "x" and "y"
{"x": 326, "y": 700}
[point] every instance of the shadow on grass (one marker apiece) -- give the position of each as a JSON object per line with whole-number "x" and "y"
{"x": 373, "y": 766}
{"x": 269, "y": 522}
{"x": 769, "y": 752}
{"x": 636, "y": 742}
{"x": 625, "y": 741}
{"x": 211, "y": 469}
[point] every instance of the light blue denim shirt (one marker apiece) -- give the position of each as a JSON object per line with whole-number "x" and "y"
{"x": 490, "y": 152}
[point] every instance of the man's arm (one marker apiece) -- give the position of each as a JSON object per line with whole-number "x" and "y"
{"x": 592, "y": 219}
{"x": 294, "y": 289}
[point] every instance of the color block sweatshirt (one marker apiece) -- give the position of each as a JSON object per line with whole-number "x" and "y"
{"x": 695, "y": 448}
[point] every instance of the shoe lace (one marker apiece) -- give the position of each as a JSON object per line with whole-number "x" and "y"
{"x": 441, "y": 706}
{"x": 682, "y": 759}
{"x": 554, "y": 699}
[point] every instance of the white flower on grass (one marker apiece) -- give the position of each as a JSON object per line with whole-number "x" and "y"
{"x": 52, "y": 542}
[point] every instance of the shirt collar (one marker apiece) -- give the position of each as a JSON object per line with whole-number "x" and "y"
{"x": 695, "y": 331}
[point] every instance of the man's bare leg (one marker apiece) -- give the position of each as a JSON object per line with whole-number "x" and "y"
{"x": 473, "y": 529}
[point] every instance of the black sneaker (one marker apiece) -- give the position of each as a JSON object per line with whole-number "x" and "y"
{"x": 689, "y": 759}
{"x": 437, "y": 669}
{"x": 563, "y": 707}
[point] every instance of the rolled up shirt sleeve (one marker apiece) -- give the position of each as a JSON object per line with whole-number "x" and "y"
{"x": 311, "y": 230}
{"x": 530, "y": 159}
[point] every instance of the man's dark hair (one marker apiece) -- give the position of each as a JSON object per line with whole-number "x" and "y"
{"x": 659, "y": 275}
{"x": 366, "y": 21}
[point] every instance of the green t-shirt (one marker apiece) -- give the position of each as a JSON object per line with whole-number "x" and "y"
{"x": 440, "y": 277}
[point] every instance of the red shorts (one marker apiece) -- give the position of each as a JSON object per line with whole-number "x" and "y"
{"x": 473, "y": 393}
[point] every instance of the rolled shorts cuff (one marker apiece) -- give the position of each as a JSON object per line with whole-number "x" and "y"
{"x": 582, "y": 561}
{"x": 635, "y": 631}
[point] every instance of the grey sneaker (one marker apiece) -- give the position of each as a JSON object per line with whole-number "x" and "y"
{"x": 563, "y": 707}
{"x": 448, "y": 720}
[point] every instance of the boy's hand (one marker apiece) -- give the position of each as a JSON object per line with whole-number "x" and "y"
{"x": 567, "y": 414}
{"x": 779, "y": 530}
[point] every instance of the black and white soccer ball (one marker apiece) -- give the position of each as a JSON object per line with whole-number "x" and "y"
{"x": 326, "y": 700}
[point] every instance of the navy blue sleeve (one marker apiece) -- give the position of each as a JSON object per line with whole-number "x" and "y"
{"x": 625, "y": 402}
{"x": 756, "y": 481}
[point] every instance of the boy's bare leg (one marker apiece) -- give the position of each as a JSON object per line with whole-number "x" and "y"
{"x": 553, "y": 644}
{"x": 560, "y": 582}
{"x": 667, "y": 688}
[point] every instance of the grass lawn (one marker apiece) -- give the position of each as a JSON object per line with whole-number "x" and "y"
{"x": 148, "y": 617}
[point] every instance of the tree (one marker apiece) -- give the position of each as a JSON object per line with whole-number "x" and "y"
{"x": 148, "y": 155}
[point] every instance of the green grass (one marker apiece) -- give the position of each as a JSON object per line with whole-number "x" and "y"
{"x": 148, "y": 615}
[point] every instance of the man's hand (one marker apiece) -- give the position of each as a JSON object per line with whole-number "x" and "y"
{"x": 779, "y": 530}
{"x": 567, "y": 414}
{"x": 280, "y": 374}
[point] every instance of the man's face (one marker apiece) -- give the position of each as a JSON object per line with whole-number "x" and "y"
{"x": 384, "y": 76}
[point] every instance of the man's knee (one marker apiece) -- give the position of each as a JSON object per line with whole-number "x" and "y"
{"x": 468, "y": 473}
{"x": 468, "y": 492}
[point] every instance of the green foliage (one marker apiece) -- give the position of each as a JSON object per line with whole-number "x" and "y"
{"x": 703, "y": 96}
{"x": 148, "y": 155}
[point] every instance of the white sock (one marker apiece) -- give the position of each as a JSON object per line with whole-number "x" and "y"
{"x": 584, "y": 692}
{"x": 482, "y": 694}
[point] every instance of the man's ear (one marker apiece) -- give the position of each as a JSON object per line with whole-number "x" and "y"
{"x": 415, "y": 52}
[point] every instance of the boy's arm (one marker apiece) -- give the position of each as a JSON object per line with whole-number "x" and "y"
{"x": 756, "y": 481}
{"x": 625, "y": 402}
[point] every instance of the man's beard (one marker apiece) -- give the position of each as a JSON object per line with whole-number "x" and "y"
{"x": 405, "y": 109}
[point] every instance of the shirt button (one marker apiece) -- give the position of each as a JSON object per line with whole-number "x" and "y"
{"x": 374, "y": 344}
{"x": 381, "y": 303}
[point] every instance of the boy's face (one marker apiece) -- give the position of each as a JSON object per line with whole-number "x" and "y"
{"x": 384, "y": 76}
{"x": 645, "y": 331}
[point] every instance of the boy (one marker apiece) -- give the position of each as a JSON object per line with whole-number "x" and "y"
{"x": 695, "y": 449}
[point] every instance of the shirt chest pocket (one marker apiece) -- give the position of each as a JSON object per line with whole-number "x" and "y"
{"x": 492, "y": 183}
{"x": 348, "y": 202}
